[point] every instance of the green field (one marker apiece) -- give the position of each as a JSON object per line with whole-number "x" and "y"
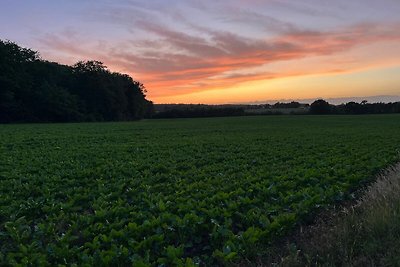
{"x": 177, "y": 192}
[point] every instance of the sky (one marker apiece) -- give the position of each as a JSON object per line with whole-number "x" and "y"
{"x": 220, "y": 51}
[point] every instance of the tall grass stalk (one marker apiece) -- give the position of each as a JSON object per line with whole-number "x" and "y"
{"x": 366, "y": 233}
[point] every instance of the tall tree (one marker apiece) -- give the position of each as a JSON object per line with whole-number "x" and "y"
{"x": 32, "y": 89}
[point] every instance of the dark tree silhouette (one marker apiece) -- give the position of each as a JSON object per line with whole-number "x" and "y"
{"x": 35, "y": 90}
{"x": 320, "y": 107}
{"x": 287, "y": 105}
{"x": 354, "y": 108}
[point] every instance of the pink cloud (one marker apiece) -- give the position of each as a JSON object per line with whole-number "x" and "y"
{"x": 177, "y": 62}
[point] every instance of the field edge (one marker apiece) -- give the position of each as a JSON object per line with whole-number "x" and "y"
{"x": 362, "y": 232}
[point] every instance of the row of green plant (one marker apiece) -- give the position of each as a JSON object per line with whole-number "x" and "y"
{"x": 177, "y": 192}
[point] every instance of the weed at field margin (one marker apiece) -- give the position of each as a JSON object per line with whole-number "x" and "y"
{"x": 364, "y": 233}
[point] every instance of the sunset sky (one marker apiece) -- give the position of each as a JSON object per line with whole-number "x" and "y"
{"x": 222, "y": 51}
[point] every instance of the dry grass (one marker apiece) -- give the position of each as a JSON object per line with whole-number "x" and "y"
{"x": 365, "y": 233}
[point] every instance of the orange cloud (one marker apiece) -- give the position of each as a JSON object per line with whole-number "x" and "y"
{"x": 176, "y": 63}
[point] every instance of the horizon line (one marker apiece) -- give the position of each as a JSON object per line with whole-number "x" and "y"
{"x": 331, "y": 100}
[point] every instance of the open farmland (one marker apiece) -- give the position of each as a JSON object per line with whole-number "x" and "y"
{"x": 177, "y": 192}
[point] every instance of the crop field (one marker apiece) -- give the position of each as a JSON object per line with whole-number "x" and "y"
{"x": 177, "y": 192}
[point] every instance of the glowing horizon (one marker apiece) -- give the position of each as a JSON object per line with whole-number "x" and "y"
{"x": 213, "y": 52}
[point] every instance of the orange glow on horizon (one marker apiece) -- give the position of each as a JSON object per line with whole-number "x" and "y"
{"x": 330, "y": 75}
{"x": 328, "y": 85}
{"x": 212, "y": 65}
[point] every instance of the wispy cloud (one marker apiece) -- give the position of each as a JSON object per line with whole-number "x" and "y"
{"x": 198, "y": 59}
{"x": 172, "y": 54}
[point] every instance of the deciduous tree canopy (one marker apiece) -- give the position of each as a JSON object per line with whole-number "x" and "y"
{"x": 35, "y": 90}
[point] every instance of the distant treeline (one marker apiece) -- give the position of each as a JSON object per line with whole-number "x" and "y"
{"x": 323, "y": 107}
{"x": 35, "y": 90}
{"x": 318, "y": 107}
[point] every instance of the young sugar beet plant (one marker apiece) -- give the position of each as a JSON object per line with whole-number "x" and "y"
{"x": 184, "y": 192}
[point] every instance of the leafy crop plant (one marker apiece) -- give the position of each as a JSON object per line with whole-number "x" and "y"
{"x": 177, "y": 192}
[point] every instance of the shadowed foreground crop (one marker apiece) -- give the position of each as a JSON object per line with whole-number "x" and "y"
{"x": 176, "y": 192}
{"x": 366, "y": 233}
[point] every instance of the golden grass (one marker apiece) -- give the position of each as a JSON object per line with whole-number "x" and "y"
{"x": 365, "y": 233}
